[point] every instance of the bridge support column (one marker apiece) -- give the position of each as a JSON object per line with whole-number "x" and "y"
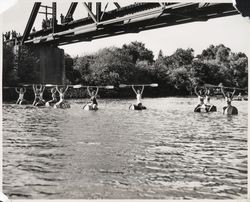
{"x": 51, "y": 68}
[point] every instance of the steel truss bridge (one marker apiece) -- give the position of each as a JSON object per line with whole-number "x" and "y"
{"x": 133, "y": 18}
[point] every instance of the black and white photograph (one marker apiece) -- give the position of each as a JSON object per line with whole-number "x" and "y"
{"x": 125, "y": 100}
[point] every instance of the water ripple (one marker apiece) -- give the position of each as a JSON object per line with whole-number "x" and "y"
{"x": 165, "y": 152}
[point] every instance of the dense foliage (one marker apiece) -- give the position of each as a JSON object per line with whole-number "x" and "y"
{"x": 9, "y": 71}
{"x": 19, "y": 66}
{"x": 133, "y": 63}
{"x": 176, "y": 74}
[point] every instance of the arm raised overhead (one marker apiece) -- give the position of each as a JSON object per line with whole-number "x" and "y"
{"x": 142, "y": 89}
{"x": 17, "y": 90}
{"x": 223, "y": 93}
{"x": 134, "y": 89}
{"x": 97, "y": 89}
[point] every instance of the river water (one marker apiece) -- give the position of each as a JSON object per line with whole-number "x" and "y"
{"x": 164, "y": 152}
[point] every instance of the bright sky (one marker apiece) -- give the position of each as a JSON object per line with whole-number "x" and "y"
{"x": 233, "y": 31}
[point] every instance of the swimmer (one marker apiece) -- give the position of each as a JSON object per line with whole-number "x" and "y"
{"x": 62, "y": 103}
{"x": 239, "y": 97}
{"x": 138, "y": 95}
{"x": 53, "y": 95}
{"x": 138, "y": 105}
{"x": 21, "y": 92}
{"x": 201, "y": 107}
{"x": 93, "y": 101}
{"x": 209, "y": 106}
{"x": 38, "y": 91}
{"x": 229, "y": 109}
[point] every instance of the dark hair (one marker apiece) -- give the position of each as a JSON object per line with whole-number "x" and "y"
{"x": 229, "y": 95}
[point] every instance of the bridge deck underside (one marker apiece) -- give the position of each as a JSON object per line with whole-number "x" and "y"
{"x": 130, "y": 19}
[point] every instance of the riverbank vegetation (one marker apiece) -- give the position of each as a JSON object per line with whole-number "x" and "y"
{"x": 133, "y": 63}
{"x": 176, "y": 74}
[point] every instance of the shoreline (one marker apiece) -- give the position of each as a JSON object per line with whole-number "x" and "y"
{"x": 129, "y": 98}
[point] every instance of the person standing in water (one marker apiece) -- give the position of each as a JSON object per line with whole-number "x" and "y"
{"x": 62, "y": 103}
{"x": 21, "y": 92}
{"x": 229, "y": 109}
{"x": 93, "y": 101}
{"x": 239, "y": 97}
{"x": 138, "y": 105}
{"x": 54, "y": 99}
{"x": 201, "y": 107}
{"x": 38, "y": 91}
{"x": 209, "y": 106}
{"x": 138, "y": 95}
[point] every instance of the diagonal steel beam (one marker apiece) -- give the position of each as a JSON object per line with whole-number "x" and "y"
{"x": 71, "y": 10}
{"x": 31, "y": 20}
{"x": 117, "y": 5}
{"x": 106, "y": 6}
{"x": 90, "y": 12}
{"x": 90, "y": 7}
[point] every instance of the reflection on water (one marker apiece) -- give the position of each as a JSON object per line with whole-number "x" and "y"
{"x": 165, "y": 152}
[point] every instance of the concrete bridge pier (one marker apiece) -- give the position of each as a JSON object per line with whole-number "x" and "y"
{"x": 51, "y": 67}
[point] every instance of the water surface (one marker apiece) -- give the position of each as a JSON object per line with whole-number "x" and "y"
{"x": 164, "y": 152}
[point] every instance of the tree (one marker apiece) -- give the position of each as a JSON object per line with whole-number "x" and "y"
{"x": 218, "y": 64}
{"x": 73, "y": 75}
{"x": 138, "y": 52}
{"x": 239, "y": 65}
{"x": 208, "y": 54}
{"x": 9, "y": 72}
{"x": 183, "y": 57}
{"x": 180, "y": 78}
{"x": 160, "y": 55}
{"x": 205, "y": 72}
{"x": 28, "y": 65}
{"x": 222, "y": 53}
{"x": 82, "y": 70}
{"x": 112, "y": 66}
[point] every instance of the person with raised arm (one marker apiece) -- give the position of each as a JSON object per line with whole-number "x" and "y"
{"x": 62, "y": 102}
{"x": 93, "y": 105}
{"x": 38, "y": 91}
{"x": 229, "y": 109}
{"x": 239, "y": 97}
{"x": 20, "y": 99}
{"x": 54, "y": 99}
{"x": 138, "y": 93}
{"x": 209, "y": 106}
{"x": 201, "y": 107}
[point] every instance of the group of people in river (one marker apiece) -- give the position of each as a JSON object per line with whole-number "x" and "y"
{"x": 205, "y": 105}
{"x": 38, "y": 90}
{"x": 204, "y": 96}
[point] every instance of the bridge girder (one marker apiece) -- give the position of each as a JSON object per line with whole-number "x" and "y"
{"x": 129, "y": 19}
{"x": 31, "y": 20}
{"x": 71, "y": 10}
